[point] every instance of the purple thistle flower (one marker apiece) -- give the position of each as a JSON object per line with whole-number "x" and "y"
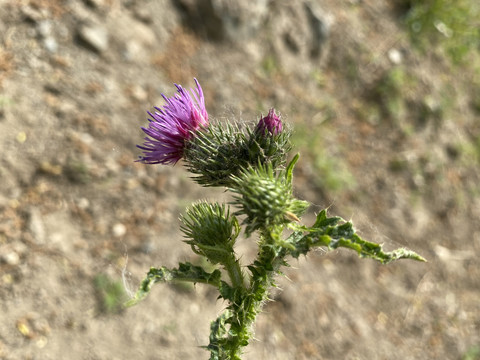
{"x": 171, "y": 126}
{"x": 270, "y": 123}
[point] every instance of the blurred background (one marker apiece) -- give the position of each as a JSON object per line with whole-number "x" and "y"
{"x": 384, "y": 97}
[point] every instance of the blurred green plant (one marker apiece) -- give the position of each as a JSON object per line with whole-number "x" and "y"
{"x": 77, "y": 171}
{"x": 5, "y": 101}
{"x": 270, "y": 65}
{"x": 331, "y": 171}
{"x": 390, "y": 91}
{"x": 319, "y": 78}
{"x": 475, "y": 100}
{"x": 472, "y": 354}
{"x": 399, "y": 98}
{"x": 110, "y": 294}
{"x": 471, "y": 150}
{"x": 452, "y": 25}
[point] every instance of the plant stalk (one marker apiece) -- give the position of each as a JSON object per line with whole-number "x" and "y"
{"x": 235, "y": 273}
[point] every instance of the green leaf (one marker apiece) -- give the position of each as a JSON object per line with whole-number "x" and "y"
{"x": 324, "y": 221}
{"x": 218, "y": 333}
{"x": 289, "y": 170}
{"x": 185, "y": 272}
{"x": 332, "y": 234}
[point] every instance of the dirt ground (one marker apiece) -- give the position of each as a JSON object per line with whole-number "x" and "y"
{"x": 81, "y": 222}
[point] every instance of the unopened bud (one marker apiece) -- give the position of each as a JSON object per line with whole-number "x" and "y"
{"x": 266, "y": 198}
{"x": 210, "y": 230}
{"x": 270, "y": 124}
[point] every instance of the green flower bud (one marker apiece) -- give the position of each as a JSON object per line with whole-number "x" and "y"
{"x": 217, "y": 153}
{"x": 267, "y": 147}
{"x": 266, "y": 198}
{"x": 223, "y": 150}
{"x": 211, "y": 230}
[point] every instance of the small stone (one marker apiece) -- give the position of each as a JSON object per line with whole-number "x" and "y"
{"x": 119, "y": 230}
{"x": 225, "y": 20}
{"x": 44, "y": 28}
{"x": 395, "y": 56}
{"x": 139, "y": 93}
{"x": 94, "y": 36}
{"x": 83, "y": 203}
{"x": 48, "y": 168}
{"x": 98, "y": 4}
{"x": 36, "y": 226}
{"x": 143, "y": 14}
{"x": 21, "y": 137}
{"x": 32, "y": 14}
{"x": 50, "y": 44}
{"x": 10, "y": 258}
{"x": 41, "y": 342}
{"x": 320, "y": 24}
{"x": 147, "y": 247}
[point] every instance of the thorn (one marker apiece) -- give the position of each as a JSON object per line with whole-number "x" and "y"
{"x": 291, "y": 216}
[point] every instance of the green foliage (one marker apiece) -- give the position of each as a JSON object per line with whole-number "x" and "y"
{"x": 218, "y": 332}
{"x": 331, "y": 171}
{"x": 5, "y": 101}
{"x": 77, "y": 172}
{"x": 270, "y": 65}
{"x": 453, "y": 25}
{"x": 185, "y": 272}
{"x": 110, "y": 294}
{"x": 334, "y": 232}
{"x": 390, "y": 94}
{"x": 472, "y": 354}
{"x": 471, "y": 150}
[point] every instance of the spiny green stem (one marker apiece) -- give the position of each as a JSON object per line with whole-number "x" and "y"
{"x": 234, "y": 272}
{"x": 246, "y": 306}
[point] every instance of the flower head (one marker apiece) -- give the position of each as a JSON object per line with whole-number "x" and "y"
{"x": 211, "y": 230}
{"x": 171, "y": 126}
{"x": 265, "y": 196}
{"x": 270, "y": 123}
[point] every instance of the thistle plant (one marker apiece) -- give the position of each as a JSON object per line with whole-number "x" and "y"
{"x": 249, "y": 161}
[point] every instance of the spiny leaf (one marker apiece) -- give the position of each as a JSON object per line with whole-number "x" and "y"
{"x": 185, "y": 272}
{"x": 329, "y": 233}
{"x": 289, "y": 170}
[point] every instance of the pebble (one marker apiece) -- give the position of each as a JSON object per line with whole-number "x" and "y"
{"x": 320, "y": 24}
{"x": 119, "y": 230}
{"x": 21, "y": 137}
{"x": 94, "y": 37}
{"x": 10, "y": 258}
{"x": 31, "y": 13}
{"x": 50, "y": 44}
{"x": 44, "y": 28}
{"x": 143, "y": 15}
{"x": 395, "y": 56}
{"x": 147, "y": 247}
{"x": 139, "y": 93}
{"x": 225, "y": 20}
{"x": 98, "y": 4}
{"x": 83, "y": 203}
{"x": 36, "y": 226}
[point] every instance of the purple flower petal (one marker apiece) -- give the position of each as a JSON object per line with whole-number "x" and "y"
{"x": 171, "y": 126}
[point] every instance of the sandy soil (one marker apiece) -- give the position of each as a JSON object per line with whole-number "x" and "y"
{"x": 80, "y": 221}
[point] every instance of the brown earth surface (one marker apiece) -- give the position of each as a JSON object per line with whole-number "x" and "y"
{"x": 80, "y": 221}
